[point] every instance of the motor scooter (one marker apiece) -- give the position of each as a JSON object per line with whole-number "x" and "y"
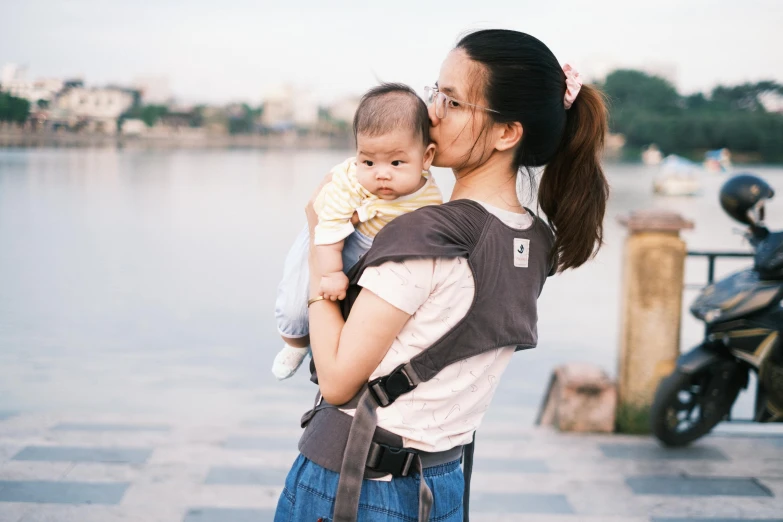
{"x": 743, "y": 320}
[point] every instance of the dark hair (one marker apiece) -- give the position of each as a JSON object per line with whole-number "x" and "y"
{"x": 525, "y": 83}
{"x": 391, "y": 106}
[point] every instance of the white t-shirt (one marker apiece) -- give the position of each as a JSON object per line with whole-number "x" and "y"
{"x": 445, "y": 411}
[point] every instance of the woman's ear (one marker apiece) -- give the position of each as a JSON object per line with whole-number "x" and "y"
{"x": 429, "y": 155}
{"x": 509, "y": 136}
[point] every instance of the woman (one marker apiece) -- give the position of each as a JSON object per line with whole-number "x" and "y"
{"x": 502, "y": 104}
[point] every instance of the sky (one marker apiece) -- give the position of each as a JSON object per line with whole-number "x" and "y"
{"x": 238, "y": 50}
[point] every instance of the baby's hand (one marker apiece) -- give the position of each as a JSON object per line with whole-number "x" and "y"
{"x": 334, "y": 286}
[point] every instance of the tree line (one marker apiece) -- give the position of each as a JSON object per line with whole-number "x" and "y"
{"x": 644, "y": 108}
{"x": 648, "y": 109}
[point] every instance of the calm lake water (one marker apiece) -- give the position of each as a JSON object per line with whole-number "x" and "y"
{"x": 144, "y": 281}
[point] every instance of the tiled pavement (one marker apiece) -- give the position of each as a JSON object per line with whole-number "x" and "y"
{"x": 90, "y": 469}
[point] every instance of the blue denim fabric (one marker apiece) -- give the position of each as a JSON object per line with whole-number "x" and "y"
{"x": 309, "y": 495}
{"x": 292, "y": 292}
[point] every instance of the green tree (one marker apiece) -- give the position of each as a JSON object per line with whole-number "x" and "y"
{"x": 647, "y": 109}
{"x": 149, "y": 114}
{"x": 745, "y": 97}
{"x": 629, "y": 89}
{"x": 197, "y": 116}
{"x": 13, "y": 109}
{"x": 246, "y": 121}
{"x": 152, "y": 113}
{"x": 697, "y": 102}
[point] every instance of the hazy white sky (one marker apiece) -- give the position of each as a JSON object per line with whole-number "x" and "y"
{"x": 237, "y": 49}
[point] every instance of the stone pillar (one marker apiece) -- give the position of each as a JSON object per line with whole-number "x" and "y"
{"x": 653, "y": 267}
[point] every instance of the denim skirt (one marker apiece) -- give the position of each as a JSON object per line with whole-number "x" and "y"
{"x": 310, "y": 489}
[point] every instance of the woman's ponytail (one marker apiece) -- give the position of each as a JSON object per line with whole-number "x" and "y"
{"x": 573, "y": 189}
{"x": 525, "y": 83}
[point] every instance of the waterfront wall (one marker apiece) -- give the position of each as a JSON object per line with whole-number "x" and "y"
{"x": 13, "y": 136}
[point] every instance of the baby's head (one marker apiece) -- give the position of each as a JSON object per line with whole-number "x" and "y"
{"x": 392, "y": 131}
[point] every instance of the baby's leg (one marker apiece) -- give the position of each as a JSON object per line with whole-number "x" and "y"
{"x": 296, "y": 342}
{"x": 356, "y": 245}
{"x": 290, "y": 358}
{"x": 291, "y": 309}
{"x": 291, "y": 306}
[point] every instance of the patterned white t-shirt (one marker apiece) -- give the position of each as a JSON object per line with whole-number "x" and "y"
{"x": 443, "y": 412}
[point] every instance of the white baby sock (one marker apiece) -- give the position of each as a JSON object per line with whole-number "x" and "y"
{"x": 288, "y": 360}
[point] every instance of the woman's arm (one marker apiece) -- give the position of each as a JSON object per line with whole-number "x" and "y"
{"x": 347, "y": 352}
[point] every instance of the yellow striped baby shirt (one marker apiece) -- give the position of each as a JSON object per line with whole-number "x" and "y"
{"x": 343, "y": 195}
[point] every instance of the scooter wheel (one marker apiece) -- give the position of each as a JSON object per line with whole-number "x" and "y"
{"x": 687, "y": 406}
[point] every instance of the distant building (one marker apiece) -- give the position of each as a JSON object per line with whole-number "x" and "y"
{"x": 154, "y": 90}
{"x": 305, "y": 110}
{"x": 287, "y": 108}
{"x": 97, "y": 109}
{"x": 278, "y": 112}
{"x": 10, "y": 74}
{"x": 215, "y": 120}
{"x": 344, "y": 109}
{"x": 13, "y": 80}
{"x": 134, "y": 127}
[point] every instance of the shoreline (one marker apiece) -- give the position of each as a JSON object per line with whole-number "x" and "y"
{"x": 184, "y": 140}
{"x": 199, "y": 139}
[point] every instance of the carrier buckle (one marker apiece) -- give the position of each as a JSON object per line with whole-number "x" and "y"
{"x": 388, "y": 388}
{"x": 386, "y": 459}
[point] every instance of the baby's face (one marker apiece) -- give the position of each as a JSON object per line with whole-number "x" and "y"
{"x": 390, "y": 165}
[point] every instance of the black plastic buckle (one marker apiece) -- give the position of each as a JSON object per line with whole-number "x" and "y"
{"x": 388, "y": 388}
{"x": 385, "y": 459}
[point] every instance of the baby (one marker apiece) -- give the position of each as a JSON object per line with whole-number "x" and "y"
{"x": 388, "y": 177}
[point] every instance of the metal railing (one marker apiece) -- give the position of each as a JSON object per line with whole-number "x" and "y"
{"x": 711, "y": 257}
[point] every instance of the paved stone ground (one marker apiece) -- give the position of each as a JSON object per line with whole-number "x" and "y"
{"x": 89, "y": 468}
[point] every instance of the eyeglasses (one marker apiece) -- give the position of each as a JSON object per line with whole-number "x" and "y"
{"x": 443, "y": 101}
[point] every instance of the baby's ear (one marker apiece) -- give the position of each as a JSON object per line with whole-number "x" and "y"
{"x": 429, "y": 155}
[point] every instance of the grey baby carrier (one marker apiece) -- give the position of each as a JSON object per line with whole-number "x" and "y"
{"x": 509, "y": 267}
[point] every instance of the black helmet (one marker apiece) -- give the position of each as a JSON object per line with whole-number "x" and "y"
{"x": 741, "y": 194}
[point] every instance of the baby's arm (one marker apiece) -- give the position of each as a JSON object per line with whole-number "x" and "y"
{"x": 334, "y": 282}
{"x": 335, "y": 206}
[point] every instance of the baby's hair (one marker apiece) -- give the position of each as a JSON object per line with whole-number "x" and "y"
{"x": 391, "y": 106}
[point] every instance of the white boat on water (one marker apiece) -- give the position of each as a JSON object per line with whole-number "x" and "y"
{"x": 677, "y": 177}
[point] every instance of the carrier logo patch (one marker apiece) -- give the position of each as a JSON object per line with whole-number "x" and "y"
{"x": 521, "y": 252}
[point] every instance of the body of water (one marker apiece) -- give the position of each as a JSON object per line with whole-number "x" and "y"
{"x": 143, "y": 282}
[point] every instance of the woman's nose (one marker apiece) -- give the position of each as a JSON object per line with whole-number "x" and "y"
{"x": 434, "y": 120}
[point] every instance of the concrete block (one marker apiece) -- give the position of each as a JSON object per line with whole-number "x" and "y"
{"x": 580, "y": 398}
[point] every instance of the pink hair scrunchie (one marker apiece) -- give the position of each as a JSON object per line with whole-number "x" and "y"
{"x": 573, "y": 85}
